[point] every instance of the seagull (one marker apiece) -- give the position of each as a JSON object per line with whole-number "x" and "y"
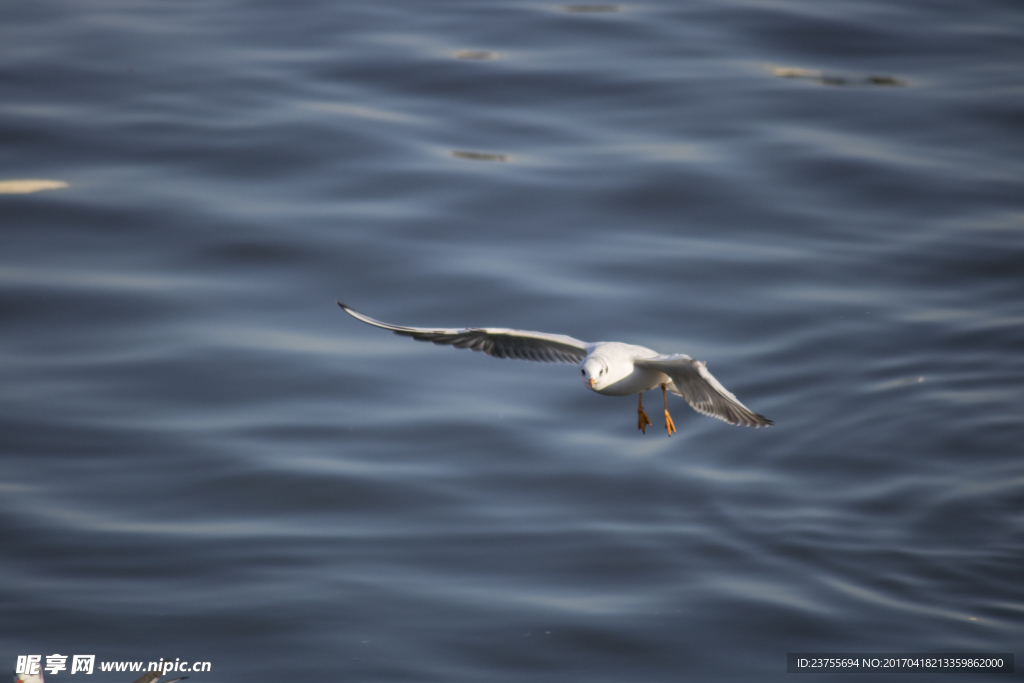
{"x": 608, "y": 368}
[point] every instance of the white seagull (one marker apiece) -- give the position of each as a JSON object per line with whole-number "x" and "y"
{"x": 609, "y": 368}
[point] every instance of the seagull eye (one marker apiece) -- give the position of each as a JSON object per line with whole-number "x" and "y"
{"x": 583, "y": 372}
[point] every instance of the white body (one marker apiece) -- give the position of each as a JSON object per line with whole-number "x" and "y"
{"x": 610, "y": 365}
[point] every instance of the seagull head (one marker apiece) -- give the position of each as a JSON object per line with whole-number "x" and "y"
{"x": 594, "y": 371}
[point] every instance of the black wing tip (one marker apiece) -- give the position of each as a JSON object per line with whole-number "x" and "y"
{"x": 745, "y": 418}
{"x": 753, "y": 420}
{"x": 349, "y": 310}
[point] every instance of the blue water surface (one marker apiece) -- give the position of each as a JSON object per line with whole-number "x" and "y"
{"x": 202, "y": 457}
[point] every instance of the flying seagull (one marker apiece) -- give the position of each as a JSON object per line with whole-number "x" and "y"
{"x": 609, "y": 368}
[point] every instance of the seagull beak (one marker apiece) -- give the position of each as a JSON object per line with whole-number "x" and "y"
{"x": 591, "y": 382}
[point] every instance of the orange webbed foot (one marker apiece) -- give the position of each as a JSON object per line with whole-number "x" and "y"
{"x": 642, "y": 420}
{"x": 670, "y": 426}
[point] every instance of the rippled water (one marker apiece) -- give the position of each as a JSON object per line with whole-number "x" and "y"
{"x": 203, "y": 457}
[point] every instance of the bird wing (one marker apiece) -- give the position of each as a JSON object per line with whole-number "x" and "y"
{"x": 494, "y": 341}
{"x": 702, "y": 391}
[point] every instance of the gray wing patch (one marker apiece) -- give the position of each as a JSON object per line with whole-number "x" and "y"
{"x": 496, "y": 342}
{"x": 702, "y": 391}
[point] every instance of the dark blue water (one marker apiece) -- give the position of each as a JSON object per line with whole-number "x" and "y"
{"x": 202, "y": 457}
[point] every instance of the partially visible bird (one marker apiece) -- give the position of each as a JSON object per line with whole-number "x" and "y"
{"x": 149, "y": 677}
{"x": 609, "y": 368}
{"x": 29, "y": 678}
{"x": 153, "y": 676}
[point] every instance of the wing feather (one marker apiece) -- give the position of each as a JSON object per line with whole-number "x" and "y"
{"x": 702, "y": 391}
{"x": 494, "y": 341}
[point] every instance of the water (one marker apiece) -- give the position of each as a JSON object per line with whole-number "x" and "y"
{"x": 204, "y": 458}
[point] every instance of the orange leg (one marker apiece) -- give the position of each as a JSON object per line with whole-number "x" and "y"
{"x": 641, "y": 416}
{"x": 670, "y": 426}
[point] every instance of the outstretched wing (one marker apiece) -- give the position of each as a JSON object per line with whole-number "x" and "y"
{"x": 702, "y": 391}
{"x": 494, "y": 341}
